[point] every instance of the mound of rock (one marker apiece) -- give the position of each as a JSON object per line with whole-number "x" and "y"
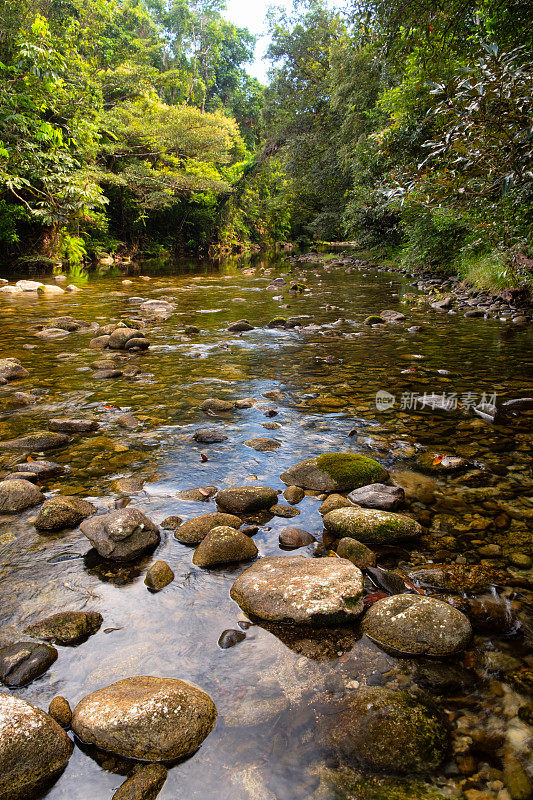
{"x": 67, "y": 627}
{"x": 151, "y": 719}
{"x": 122, "y": 535}
{"x": 36, "y": 442}
{"x": 418, "y": 626}
{"x": 299, "y": 590}
{"x": 196, "y": 529}
{"x": 61, "y": 512}
{"x": 262, "y": 445}
{"x": 378, "y": 495}
{"x": 11, "y": 369}
{"x": 18, "y": 494}
{"x": 23, "y": 662}
{"x": 64, "y": 425}
{"x": 224, "y": 545}
{"x": 246, "y": 499}
{"x": 371, "y": 526}
{"x": 33, "y": 747}
{"x": 335, "y": 472}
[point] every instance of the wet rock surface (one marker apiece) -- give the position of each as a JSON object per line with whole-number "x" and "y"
{"x": 66, "y": 627}
{"x": 18, "y": 494}
{"x": 148, "y": 718}
{"x": 246, "y": 499}
{"x": 144, "y": 783}
{"x": 333, "y": 472}
{"x": 300, "y": 590}
{"x": 121, "y": 535}
{"x": 60, "y": 512}
{"x": 158, "y": 576}
{"x": 23, "y": 662}
{"x": 224, "y": 545}
{"x": 371, "y": 526}
{"x": 196, "y": 529}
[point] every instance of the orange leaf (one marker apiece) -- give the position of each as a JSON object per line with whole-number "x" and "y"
{"x": 437, "y": 460}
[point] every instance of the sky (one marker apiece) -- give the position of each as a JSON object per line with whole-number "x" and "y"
{"x": 251, "y": 14}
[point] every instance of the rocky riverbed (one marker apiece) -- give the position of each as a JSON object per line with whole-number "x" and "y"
{"x": 259, "y": 538}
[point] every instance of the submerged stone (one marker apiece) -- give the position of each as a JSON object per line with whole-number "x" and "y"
{"x": 67, "y": 627}
{"x": 158, "y": 576}
{"x": 23, "y": 662}
{"x": 144, "y": 783}
{"x": 304, "y": 591}
{"x": 335, "y": 472}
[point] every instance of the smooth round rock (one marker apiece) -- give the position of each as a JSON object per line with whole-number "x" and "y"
{"x": 61, "y": 512}
{"x": 417, "y": 625}
{"x": 67, "y": 627}
{"x": 17, "y": 494}
{"x": 33, "y": 748}
{"x": 304, "y": 591}
{"x": 59, "y": 709}
{"x": 151, "y": 719}
{"x": 384, "y": 730}
{"x": 230, "y": 638}
{"x": 209, "y": 436}
{"x": 294, "y": 495}
{"x": 122, "y": 535}
{"x": 41, "y": 440}
{"x": 11, "y": 369}
{"x": 293, "y": 538}
{"x": 371, "y": 526}
{"x": 332, "y": 503}
{"x": 158, "y": 576}
{"x": 224, "y": 545}
{"x": 43, "y": 469}
{"x": 64, "y": 425}
{"x": 356, "y": 552}
{"x": 246, "y": 499}
{"x": 23, "y": 662}
{"x": 196, "y": 529}
{"x": 378, "y": 495}
{"x": 217, "y": 406}
{"x": 335, "y": 472}
{"x": 262, "y": 445}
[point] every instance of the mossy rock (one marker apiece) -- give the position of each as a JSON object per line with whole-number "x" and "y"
{"x": 61, "y": 512}
{"x": 224, "y": 545}
{"x": 374, "y": 319}
{"x": 389, "y": 731}
{"x": 371, "y": 526}
{"x": 335, "y": 472}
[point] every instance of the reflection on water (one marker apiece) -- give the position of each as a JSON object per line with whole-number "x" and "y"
{"x": 273, "y": 688}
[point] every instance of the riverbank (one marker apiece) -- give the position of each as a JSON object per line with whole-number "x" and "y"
{"x": 230, "y": 504}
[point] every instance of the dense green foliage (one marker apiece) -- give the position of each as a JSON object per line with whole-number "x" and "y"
{"x": 402, "y": 125}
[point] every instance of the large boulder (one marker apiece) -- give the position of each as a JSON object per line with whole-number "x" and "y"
{"x": 304, "y": 591}
{"x": 18, "y": 494}
{"x": 122, "y": 535}
{"x": 335, "y": 472}
{"x": 246, "y": 499}
{"x": 371, "y": 526}
{"x": 416, "y": 625}
{"x": 61, "y": 512}
{"x": 151, "y": 719}
{"x": 11, "y": 369}
{"x": 389, "y": 731}
{"x": 23, "y": 662}
{"x": 224, "y": 545}
{"x": 40, "y": 440}
{"x": 196, "y": 529}
{"x": 67, "y": 627}
{"x": 33, "y": 748}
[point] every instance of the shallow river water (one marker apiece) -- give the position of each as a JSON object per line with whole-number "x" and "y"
{"x": 276, "y": 691}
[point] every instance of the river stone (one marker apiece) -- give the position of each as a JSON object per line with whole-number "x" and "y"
{"x": 392, "y": 316}
{"x": 69, "y": 324}
{"x": 293, "y": 495}
{"x": 370, "y": 525}
{"x": 33, "y": 748}
{"x": 240, "y": 326}
{"x": 196, "y": 529}
{"x": 292, "y": 538}
{"x": 64, "y": 425}
{"x": 209, "y": 436}
{"x": 262, "y": 445}
{"x": 378, "y": 495}
{"x": 28, "y": 286}
{"x": 285, "y": 511}
{"x": 49, "y": 289}
{"x": 144, "y": 783}
{"x": 161, "y": 309}
{"x": 158, "y": 576}
{"x": 246, "y": 499}
{"x": 23, "y": 662}
{"x": 335, "y": 472}
{"x": 122, "y": 535}
{"x": 418, "y": 625}
{"x": 416, "y": 486}
{"x": 99, "y": 342}
{"x": 374, "y": 319}
{"x": 137, "y": 343}
{"x": 67, "y": 627}
{"x": 40, "y": 440}
{"x": 120, "y": 337}
{"x": 61, "y": 512}
{"x": 332, "y": 503}
{"x": 59, "y": 709}
{"x": 224, "y": 545}
{"x": 43, "y": 469}
{"x": 356, "y": 552}
{"x": 300, "y": 590}
{"x": 11, "y": 369}
{"x": 389, "y": 731}
{"x": 151, "y": 719}
{"x": 17, "y": 494}
{"x": 217, "y": 406}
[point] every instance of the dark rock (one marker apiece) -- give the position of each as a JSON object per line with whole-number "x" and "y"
{"x": 299, "y": 590}
{"x": 209, "y": 436}
{"x": 99, "y": 342}
{"x": 33, "y": 748}
{"x": 230, "y": 638}
{"x": 335, "y": 472}
{"x": 224, "y": 545}
{"x": 262, "y": 445}
{"x": 378, "y": 495}
{"x": 17, "y": 494}
{"x": 171, "y": 523}
{"x": 137, "y": 343}
{"x": 67, "y": 627}
{"x": 23, "y": 662}
{"x": 147, "y": 718}
{"x": 107, "y": 374}
{"x": 128, "y": 421}
{"x": 158, "y": 576}
{"x": 61, "y": 512}
{"x": 356, "y": 552}
{"x": 246, "y": 499}
{"x": 374, "y": 319}
{"x": 11, "y": 369}
{"x": 73, "y": 425}
{"x": 293, "y": 538}
{"x": 196, "y": 529}
{"x": 285, "y": 511}
{"x": 240, "y": 326}
{"x": 43, "y": 469}
{"x": 59, "y": 709}
{"x": 41, "y": 440}
{"x": 144, "y": 783}
{"x": 122, "y": 535}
